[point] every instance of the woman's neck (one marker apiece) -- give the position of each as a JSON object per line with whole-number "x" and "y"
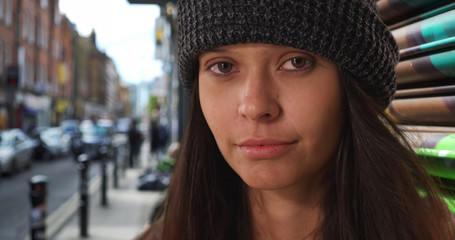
{"x": 285, "y": 214}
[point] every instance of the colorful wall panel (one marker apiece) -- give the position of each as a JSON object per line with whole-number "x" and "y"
{"x": 425, "y": 33}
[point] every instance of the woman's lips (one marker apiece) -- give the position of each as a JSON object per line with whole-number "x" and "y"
{"x": 264, "y": 148}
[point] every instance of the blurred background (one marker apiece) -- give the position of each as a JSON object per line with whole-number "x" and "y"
{"x": 91, "y": 105}
{"x": 63, "y": 60}
{"x": 74, "y": 77}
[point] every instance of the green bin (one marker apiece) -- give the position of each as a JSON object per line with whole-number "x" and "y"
{"x": 438, "y": 157}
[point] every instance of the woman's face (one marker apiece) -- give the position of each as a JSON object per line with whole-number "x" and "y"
{"x": 276, "y": 112}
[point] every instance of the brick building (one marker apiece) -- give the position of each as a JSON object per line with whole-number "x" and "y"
{"x": 61, "y": 66}
{"x": 60, "y": 74}
{"x": 7, "y": 45}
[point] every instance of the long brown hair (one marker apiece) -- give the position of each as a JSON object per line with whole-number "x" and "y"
{"x": 207, "y": 199}
{"x": 379, "y": 190}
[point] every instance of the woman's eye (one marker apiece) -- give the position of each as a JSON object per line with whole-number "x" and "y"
{"x": 221, "y": 68}
{"x": 296, "y": 63}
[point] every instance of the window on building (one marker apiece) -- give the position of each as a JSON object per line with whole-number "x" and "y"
{"x": 31, "y": 36}
{"x": 39, "y": 36}
{"x": 9, "y": 13}
{"x": 43, "y": 38}
{"x": 54, "y": 49}
{"x": 63, "y": 53}
{"x": 8, "y": 55}
{"x": 24, "y": 26}
{"x": 44, "y": 4}
{"x": 57, "y": 50}
{"x": 2, "y": 9}
{"x": 46, "y": 39}
{"x": 57, "y": 17}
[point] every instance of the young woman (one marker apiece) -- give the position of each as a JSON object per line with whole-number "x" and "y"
{"x": 287, "y": 137}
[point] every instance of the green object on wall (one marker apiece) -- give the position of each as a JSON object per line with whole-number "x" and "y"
{"x": 444, "y": 62}
{"x": 440, "y": 161}
{"x": 439, "y": 27}
{"x": 447, "y": 143}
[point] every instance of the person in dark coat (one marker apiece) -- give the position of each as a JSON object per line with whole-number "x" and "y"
{"x": 135, "y": 141}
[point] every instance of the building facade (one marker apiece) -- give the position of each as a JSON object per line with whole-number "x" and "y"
{"x": 7, "y": 45}
{"x": 48, "y": 72}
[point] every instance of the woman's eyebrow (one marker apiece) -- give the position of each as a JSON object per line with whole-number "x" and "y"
{"x": 215, "y": 50}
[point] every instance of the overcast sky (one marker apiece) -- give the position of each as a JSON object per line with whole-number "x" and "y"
{"x": 125, "y": 32}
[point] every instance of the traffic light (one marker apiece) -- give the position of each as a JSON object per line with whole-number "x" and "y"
{"x": 12, "y": 76}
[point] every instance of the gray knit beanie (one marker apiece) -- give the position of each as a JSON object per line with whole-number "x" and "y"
{"x": 348, "y": 32}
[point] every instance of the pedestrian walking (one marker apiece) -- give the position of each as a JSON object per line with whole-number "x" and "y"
{"x": 287, "y": 136}
{"x": 135, "y": 139}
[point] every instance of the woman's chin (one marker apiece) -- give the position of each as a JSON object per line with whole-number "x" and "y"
{"x": 267, "y": 181}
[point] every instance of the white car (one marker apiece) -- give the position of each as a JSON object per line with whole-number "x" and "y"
{"x": 16, "y": 150}
{"x": 56, "y": 142}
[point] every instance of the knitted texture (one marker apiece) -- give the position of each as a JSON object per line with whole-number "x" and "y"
{"x": 348, "y": 32}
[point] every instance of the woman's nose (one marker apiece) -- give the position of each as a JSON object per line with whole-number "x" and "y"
{"x": 259, "y": 99}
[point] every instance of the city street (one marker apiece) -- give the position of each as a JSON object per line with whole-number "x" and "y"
{"x": 14, "y": 193}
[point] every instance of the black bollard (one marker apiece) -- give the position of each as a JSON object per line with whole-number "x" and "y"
{"x": 104, "y": 153}
{"x": 83, "y": 168}
{"x": 38, "y": 192}
{"x": 115, "y": 172}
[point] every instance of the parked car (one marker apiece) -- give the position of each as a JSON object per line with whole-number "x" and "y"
{"x": 106, "y": 129}
{"x": 52, "y": 142}
{"x": 71, "y": 127}
{"x": 95, "y": 136}
{"x": 16, "y": 150}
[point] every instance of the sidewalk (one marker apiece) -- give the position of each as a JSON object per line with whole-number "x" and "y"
{"x": 124, "y": 217}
